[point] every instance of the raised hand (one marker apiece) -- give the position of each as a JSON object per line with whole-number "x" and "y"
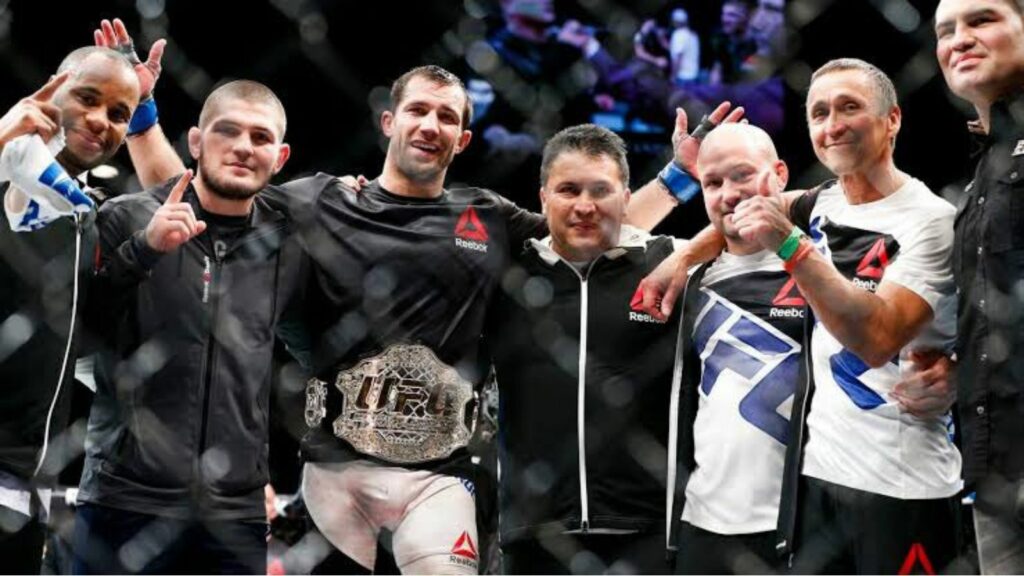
{"x": 174, "y": 223}
{"x": 115, "y": 35}
{"x": 35, "y": 114}
{"x": 685, "y": 145}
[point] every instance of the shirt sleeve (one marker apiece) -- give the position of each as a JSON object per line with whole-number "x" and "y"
{"x": 521, "y": 224}
{"x": 924, "y": 264}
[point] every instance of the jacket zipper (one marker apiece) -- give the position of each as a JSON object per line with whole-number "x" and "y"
{"x": 211, "y": 344}
{"x": 581, "y": 396}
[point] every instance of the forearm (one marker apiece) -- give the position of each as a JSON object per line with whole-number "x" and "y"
{"x": 705, "y": 246}
{"x": 153, "y": 156}
{"x": 863, "y": 322}
{"x": 649, "y": 205}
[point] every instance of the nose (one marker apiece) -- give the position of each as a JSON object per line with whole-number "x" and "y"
{"x": 96, "y": 120}
{"x": 963, "y": 38}
{"x": 584, "y": 205}
{"x": 834, "y": 125}
{"x": 242, "y": 145}
{"x": 429, "y": 124}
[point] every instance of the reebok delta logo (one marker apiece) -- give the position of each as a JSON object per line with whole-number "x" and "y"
{"x": 470, "y": 232}
{"x": 788, "y": 303}
{"x": 636, "y": 313}
{"x": 464, "y": 551}
{"x": 872, "y": 266}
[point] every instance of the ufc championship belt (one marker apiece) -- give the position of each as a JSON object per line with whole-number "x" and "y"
{"x": 404, "y": 406}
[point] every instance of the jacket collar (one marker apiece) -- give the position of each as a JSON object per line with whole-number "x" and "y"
{"x": 629, "y": 237}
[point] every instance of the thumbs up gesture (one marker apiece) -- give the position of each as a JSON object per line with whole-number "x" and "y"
{"x": 762, "y": 217}
{"x": 174, "y": 223}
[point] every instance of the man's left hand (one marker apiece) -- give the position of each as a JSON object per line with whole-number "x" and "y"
{"x": 928, "y": 386}
{"x": 685, "y": 146}
{"x": 114, "y": 35}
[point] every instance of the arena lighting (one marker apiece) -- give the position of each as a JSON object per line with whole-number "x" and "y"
{"x": 104, "y": 172}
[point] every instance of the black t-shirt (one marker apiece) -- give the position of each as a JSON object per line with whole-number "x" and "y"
{"x": 222, "y": 231}
{"x": 390, "y": 269}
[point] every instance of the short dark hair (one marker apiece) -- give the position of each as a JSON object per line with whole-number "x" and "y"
{"x": 437, "y": 75}
{"x": 247, "y": 90}
{"x": 590, "y": 139}
{"x": 78, "y": 55}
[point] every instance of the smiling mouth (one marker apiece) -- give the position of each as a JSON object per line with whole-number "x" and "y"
{"x": 89, "y": 139}
{"x": 426, "y": 148}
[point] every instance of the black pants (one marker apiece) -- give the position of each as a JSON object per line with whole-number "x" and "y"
{"x": 587, "y": 554}
{"x": 112, "y": 541}
{"x": 847, "y": 531}
{"x": 21, "y": 543}
{"x": 703, "y": 552}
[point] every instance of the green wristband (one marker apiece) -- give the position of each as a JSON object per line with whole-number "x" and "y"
{"x": 790, "y": 244}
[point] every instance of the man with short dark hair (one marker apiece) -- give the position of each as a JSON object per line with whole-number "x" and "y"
{"x": 192, "y": 282}
{"x": 583, "y": 378}
{"x": 980, "y": 50}
{"x": 404, "y": 273}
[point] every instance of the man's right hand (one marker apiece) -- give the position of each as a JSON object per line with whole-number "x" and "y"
{"x": 662, "y": 286}
{"x": 174, "y": 223}
{"x": 36, "y": 114}
{"x": 354, "y": 182}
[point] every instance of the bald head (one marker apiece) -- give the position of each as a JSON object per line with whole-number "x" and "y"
{"x": 735, "y": 161}
{"x": 746, "y": 138}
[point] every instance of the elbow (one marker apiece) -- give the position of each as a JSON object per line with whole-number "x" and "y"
{"x": 878, "y": 355}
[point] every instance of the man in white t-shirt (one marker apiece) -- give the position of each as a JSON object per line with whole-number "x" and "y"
{"x": 878, "y": 486}
{"x": 684, "y": 49}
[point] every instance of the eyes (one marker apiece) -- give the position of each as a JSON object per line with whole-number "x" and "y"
{"x": 739, "y": 175}
{"x": 118, "y": 113}
{"x": 976, "y": 20}
{"x": 819, "y": 112}
{"x": 572, "y": 189}
{"x": 258, "y": 136}
{"x": 444, "y": 115}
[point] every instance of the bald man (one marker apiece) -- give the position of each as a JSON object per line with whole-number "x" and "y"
{"x": 741, "y": 311}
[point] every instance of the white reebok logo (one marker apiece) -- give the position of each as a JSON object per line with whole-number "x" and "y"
{"x": 1019, "y": 149}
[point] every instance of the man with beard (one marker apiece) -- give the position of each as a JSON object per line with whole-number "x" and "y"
{"x": 404, "y": 271}
{"x": 192, "y": 282}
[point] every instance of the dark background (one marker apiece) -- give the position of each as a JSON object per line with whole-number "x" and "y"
{"x": 331, "y": 64}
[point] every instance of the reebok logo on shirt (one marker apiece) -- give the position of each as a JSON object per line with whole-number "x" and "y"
{"x": 636, "y": 313}
{"x": 788, "y": 303}
{"x": 872, "y": 266}
{"x": 470, "y": 232}
{"x": 464, "y": 551}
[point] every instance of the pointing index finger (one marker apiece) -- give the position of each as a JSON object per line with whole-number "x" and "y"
{"x": 47, "y": 91}
{"x": 179, "y": 188}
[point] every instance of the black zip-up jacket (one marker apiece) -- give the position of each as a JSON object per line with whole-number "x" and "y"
{"x": 583, "y": 425}
{"x": 185, "y": 374}
{"x": 37, "y": 274}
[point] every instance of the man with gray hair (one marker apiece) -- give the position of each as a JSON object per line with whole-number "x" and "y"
{"x": 875, "y": 270}
{"x": 980, "y": 50}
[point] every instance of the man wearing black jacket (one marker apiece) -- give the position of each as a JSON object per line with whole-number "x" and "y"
{"x": 192, "y": 282}
{"x": 582, "y": 421}
{"x": 980, "y": 48}
{"x": 41, "y": 283}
